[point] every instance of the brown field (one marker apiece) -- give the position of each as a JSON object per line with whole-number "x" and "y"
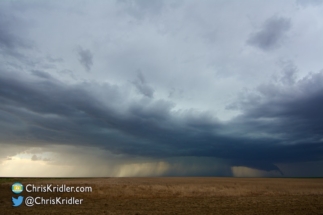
{"x": 177, "y": 196}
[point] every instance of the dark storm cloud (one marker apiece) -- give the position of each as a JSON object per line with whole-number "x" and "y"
{"x": 85, "y": 58}
{"x": 291, "y": 113}
{"x": 40, "y": 111}
{"x": 271, "y": 34}
{"x": 299, "y": 104}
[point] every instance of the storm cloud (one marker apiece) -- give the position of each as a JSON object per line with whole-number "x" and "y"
{"x": 284, "y": 129}
{"x": 161, "y": 99}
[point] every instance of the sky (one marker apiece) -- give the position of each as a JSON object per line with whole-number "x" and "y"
{"x": 161, "y": 88}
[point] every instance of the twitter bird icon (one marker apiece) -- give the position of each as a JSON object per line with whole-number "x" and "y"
{"x": 17, "y": 201}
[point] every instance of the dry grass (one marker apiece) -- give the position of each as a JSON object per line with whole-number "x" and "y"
{"x": 182, "y": 196}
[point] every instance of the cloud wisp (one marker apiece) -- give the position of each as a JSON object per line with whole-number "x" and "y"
{"x": 85, "y": 58}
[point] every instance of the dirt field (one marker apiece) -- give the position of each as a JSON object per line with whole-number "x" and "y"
{"x": 176, "y": 196}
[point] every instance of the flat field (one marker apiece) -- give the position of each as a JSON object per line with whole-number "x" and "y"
{"x": 200, "y": 196}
